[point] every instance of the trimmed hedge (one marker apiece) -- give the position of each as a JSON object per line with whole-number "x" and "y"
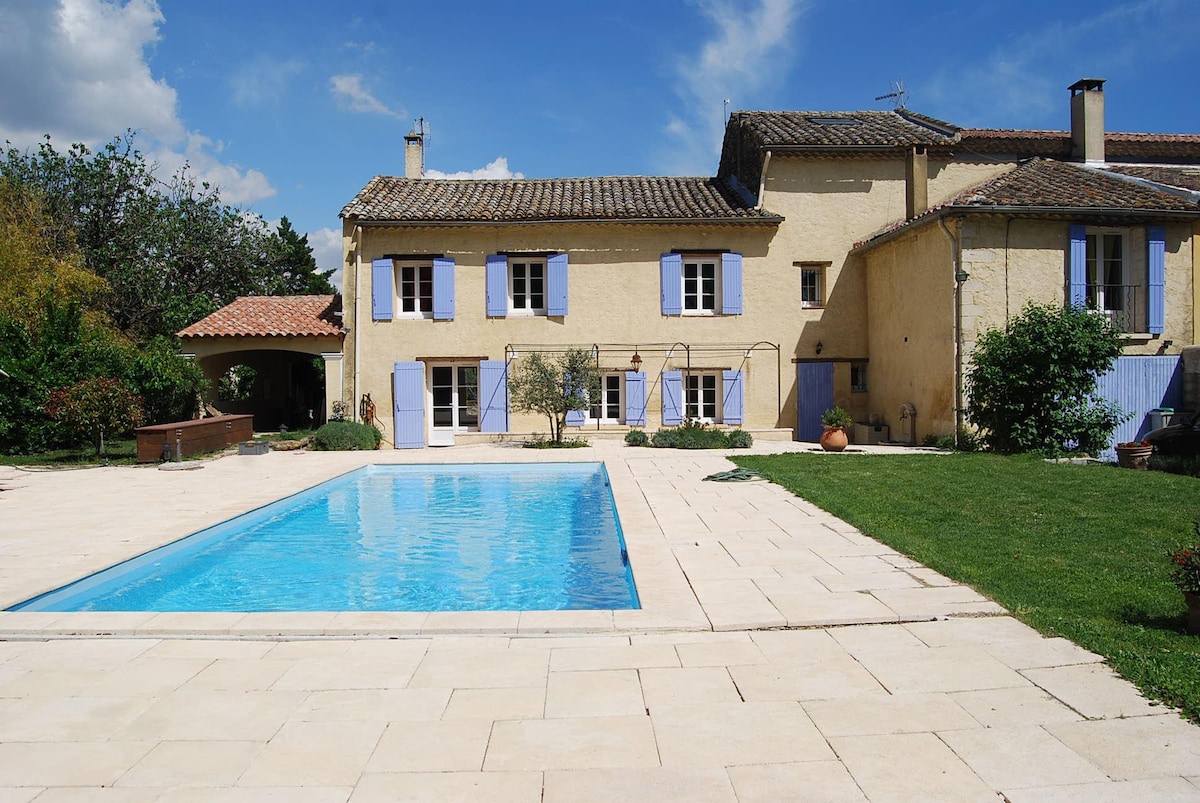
{"x": 698, "y": 436}
{"x": 346, "y": 436}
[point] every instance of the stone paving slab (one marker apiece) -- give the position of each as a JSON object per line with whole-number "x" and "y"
{"x": 662, "y": 704}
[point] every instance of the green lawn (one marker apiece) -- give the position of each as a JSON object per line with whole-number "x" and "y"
{"x": 1074, "y": 551}
{"x": 118, "y": 452}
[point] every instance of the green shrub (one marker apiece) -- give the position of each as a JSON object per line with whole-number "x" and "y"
{"x": 1188, "y": 466}
{"x": 636, "y": 437}
{"x": 836, "y": 417}
{"x": 739, "y": 439}
{"x": 665, "y": 438}
{"x": 346, "y": 436}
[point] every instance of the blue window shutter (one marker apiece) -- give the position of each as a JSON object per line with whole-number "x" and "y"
{"x": 635, "y": 398}
{"x": 1077, "y": 288}
{"x": 443, "y": 289}
{"x": 493, "y": 396}
{"x": 731, "y": 284}
{"x": 1156, "y": 279}
{"x": 556, "y": 284}
{"x": 671, "y": 267}
{"x": 672, "y": 398}
{"x": 731, "y": 391}
{"x": 575, "y": 418}
{"x": 497, "y": 285}
{"x": 408, "y": 386}
{"x": 383, "y": 289}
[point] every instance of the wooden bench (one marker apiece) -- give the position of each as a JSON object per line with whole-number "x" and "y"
{"x": 195, "y": 437}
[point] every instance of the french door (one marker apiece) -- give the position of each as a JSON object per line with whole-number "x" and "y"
{"x": 454, "y": 402}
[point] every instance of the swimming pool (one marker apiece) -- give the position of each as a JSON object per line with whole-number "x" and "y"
{"x": 391, "y": 538}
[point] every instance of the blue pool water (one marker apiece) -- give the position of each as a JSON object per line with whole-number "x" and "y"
{"x": 391, "y": 538}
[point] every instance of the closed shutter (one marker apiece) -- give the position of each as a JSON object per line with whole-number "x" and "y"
{"x": 493, "y": 396}
{"x": 1077, "y": 285}
{"x": 732, "y": 397}
{"x": 556, "y": 284}
{"x": 443, "y": 289}
{"x": 1156, "y": 278}
{"x": 635, "y": 398}
{"x": 672, "y": 398}
{"x": 408, "y": 386}
{"x": 574, "y": 391}
{"x": 671, "y": 270}
{"x": 731, "y": 284}
{"x": 497, "y": 285}
{"x": 575, "y": 418}
{"x": 383, "y": 289}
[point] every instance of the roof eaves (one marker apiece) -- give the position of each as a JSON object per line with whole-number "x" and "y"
{"x": 767, "y": 219}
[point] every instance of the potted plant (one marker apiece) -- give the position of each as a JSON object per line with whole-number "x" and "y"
{"x": 835, "y": 420}
{"x": 1134, "y": 454}
{"x": 1187, "y": 578}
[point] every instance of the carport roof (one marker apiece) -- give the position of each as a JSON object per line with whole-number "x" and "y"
{"x": 265, "y": 316}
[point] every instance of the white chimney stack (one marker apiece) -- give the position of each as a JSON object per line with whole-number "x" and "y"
{"x": 1087, "y": 119}
{"x": 414, "y": 150}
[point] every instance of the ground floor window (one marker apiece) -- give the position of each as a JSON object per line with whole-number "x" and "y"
{"x": 609, "y": 406}
{"x": 455, "y": 392}
{"x": 858, "y": 377}
{"x": 702, "y": 397}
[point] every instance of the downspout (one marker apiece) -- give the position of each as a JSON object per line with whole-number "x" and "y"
{"x": 762, "y": 180}
{"x": 356, "y": 245}
{"x": 959, "y": 278}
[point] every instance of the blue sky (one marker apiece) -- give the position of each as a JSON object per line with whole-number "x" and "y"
{"x": 291, "y": 107}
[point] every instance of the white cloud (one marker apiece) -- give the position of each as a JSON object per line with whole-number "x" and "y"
{"x": 350, "y": 93}
{"x": 77, "y": 70}
{"x": 327, "y": 250}
{"x": 263, "y": 80}
{"x": 498, "y": 168}
{"x": 748, "y": 50}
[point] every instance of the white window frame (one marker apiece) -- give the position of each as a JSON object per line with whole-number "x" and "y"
{"x": 1095, "y": 278}
{"x": 817, "y": 271}
{"x": 694, "y": 403}
{"x": 605, "y": 400}
{"x": 524, "y": 265}
{"x": 416, "y": 266}
{"x": 699, "y": 262}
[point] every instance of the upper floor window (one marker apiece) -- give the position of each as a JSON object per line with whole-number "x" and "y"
{"x": 414, "y": 283}
{"x": 527, "y": 286}
{"x": 812, "y": 284}
{"x": 701, "y": 286}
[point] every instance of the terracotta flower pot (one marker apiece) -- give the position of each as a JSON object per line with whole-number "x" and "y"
{"x": 1134, "y": 457}
{"x": 834, "y": 439}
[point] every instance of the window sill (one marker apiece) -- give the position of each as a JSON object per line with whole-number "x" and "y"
{"x": 1138, "y": 337}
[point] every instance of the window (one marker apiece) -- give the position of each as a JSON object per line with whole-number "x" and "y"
{"x": 812, "y": 284}
{"x": 702, "y": 400}
{"x": 415, "y": 286}
{"x": 1107, "y": 289}
{"x": 1118, "y": 274}
{"x": 858, "y": 377}
{"x": 527, "y": 286}
{"x": 700, "y": 285}
{"x": 609, "y": 406}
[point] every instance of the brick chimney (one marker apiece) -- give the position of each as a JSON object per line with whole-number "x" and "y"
{"x": 1087, "y": 119}
{"x": 414, "y": 151}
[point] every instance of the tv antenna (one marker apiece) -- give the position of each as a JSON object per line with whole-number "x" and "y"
{"x": 725, "y": 110}
{"x": 897, "y": 96}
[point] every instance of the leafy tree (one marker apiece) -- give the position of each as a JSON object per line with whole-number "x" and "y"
{"x": 1031, "y": 386}
{"x": 293, "y": 269}
{"x": 95, "y": 406}
{"x": 553, "y": 387}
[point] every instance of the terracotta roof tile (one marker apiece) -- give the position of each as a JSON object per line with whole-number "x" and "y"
{"x": 1057, "y": 144}
{"x": 606, "y": 198}
{"x": 258, "y": 316}
{"x": 900, "y": 128}
{"x": 1187, "y": 178}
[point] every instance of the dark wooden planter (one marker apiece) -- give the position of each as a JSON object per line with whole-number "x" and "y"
{"x": 194, "y": 437}
{"x": 1193, "y": 618}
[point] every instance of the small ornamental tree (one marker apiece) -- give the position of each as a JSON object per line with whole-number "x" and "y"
{"x": 95, "y": 406}
{"x": 1031, "y": 386}
{"x": 554, "y": 386}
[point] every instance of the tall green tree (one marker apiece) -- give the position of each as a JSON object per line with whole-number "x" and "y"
{"x": 292, "y": 267}
{"x": 553, "y": 386}
{"x": 1031, "y": 386}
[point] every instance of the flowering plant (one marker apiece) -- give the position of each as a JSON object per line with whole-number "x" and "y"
{"x": 1134, "y": 445}
{"x": 1186, "y": 573}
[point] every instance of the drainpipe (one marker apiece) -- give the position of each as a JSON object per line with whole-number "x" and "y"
{"x": 959, "y": 277}
{"x": 762, "y": 180}
{"x": 356, "y": 244}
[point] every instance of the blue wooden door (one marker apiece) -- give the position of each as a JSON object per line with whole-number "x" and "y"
{"x": 814, "y": 395}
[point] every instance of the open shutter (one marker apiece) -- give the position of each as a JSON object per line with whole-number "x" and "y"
{"x": 731, "y": 392}
{"x": 1077, "y": 286}
{"x": 672, "y": 398}
{"x": 731, "y": 284}
{"x": 408, "y": 386}
{"x": 576, "y": 418}
{"x": 493, "y": 396}
{"x": 383, "y": 289}
{"x": 1156, "y": 278}
{"x": 573, "y": 389}
{"x": 497, "y": 285}
{"x": 556, "y": 284}
{"x": 671, "y": 268}
{"x": 635, "y": 398}
{"x": 443, "y": 289}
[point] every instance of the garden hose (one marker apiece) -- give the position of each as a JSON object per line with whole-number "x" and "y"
{"x": 735, "y": 475}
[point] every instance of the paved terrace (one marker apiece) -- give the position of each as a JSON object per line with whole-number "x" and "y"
{"x": 780, "y": 655}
